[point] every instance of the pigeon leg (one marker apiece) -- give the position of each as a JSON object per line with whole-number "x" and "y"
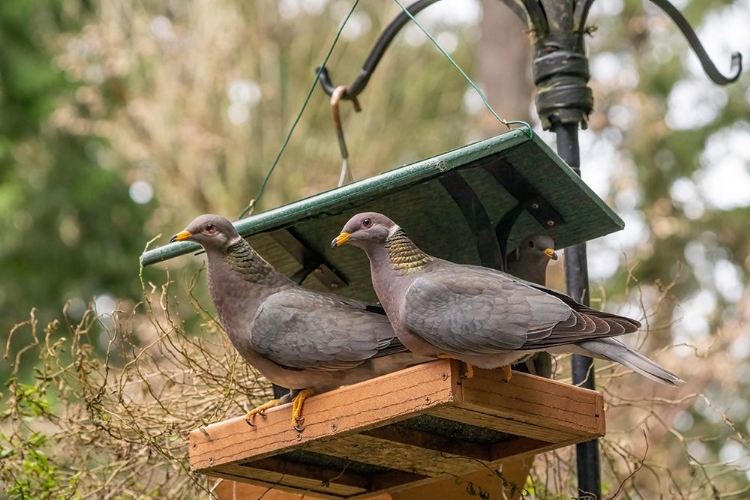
{"x": 468, "y": 373}
{"x": 297, "y": 403}
{"x": 507, "y": 373}
{"x": 265, "y": 406}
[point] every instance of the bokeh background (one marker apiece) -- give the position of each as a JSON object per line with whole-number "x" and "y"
{"x": 122, "y": 120}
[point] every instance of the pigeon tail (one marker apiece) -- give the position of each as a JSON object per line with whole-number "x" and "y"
{"x": 614, "y": 350}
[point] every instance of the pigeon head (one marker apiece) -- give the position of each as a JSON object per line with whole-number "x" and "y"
{"x": 365, "y": 229}
{"x": 537, "y": 247}
{"x": 213, "y": 232}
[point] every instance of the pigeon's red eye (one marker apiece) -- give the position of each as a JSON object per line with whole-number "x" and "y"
{"x": 210, "y": 228}
{"x": 366, "y": 222}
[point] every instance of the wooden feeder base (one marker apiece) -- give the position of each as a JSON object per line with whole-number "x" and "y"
{"x": 399, "y": 431}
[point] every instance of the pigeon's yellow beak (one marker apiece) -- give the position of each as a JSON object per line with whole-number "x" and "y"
{"x": 340, "y": 240}
{"x": 550, "y": 252}
{"x": 181, "y": 236}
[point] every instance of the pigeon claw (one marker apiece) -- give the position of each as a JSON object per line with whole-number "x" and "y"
{"x": 297, "y": 404}
{"x": 261, "y": 410}
{"x": 468, "y": 373}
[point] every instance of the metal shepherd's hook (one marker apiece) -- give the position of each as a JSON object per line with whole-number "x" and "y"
{"x": 337, "y": 95}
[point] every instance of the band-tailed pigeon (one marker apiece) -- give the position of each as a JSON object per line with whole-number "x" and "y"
{"x": 307, "y": 341}
{"x": 481, "y": 316}
{"x": 529, "y": 260}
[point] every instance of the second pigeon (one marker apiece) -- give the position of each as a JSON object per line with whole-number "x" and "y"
{"x": 481, "y": 316}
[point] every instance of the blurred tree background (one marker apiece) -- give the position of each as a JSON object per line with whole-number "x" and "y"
{"x": 122, "y": 120}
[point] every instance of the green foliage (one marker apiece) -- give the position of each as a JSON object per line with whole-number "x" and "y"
{"x": 34, "y": 475}
{"x": 71, "y": 230}
{"x": 116, "y": 426}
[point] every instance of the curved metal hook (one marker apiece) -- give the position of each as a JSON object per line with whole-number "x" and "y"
{"x": 708, "y": 66}
{"x": 389, "y": 33}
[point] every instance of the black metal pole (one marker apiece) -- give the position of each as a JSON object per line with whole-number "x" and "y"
{"x": 577, "y": 284}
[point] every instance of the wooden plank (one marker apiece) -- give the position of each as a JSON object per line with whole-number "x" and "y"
{"x": 398, "y": 434}
{"x": 535, "y": 400}
{"x": 236, "y": 473}
{"x": 232, "y": 490}
{"x": 337, "y": 480}
{"x": 405, "y": 457}
{"x": 502, "y": 423}
{"x": 520, "y": 446}
{"x": 360, "y": 407}
{"x": 504, "y": 484}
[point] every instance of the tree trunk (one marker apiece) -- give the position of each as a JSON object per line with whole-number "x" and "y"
{"x": 503, "y": 61}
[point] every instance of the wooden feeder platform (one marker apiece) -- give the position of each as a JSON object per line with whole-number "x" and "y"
{"x": 406, "y": 429}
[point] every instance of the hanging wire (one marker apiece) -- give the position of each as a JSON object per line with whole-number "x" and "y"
{"x": 251, "y": 206}
{"x": 455, "y": 65}
{"x": 468, "y": 79}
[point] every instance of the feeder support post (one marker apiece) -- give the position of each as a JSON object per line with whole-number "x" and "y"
{"x": 564, "y": 102}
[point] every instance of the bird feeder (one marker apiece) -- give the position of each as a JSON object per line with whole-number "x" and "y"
{"x": 416, "y": 427}
{"x": 403, "y": 431}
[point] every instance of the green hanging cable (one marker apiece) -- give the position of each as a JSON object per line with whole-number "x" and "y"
{"x": 251, "y": 205}
{"x": 463, "y": 73}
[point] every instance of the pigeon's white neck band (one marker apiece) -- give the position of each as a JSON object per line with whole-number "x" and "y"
{"x": 235, "y": 241}
{"x": 393, "y": 230}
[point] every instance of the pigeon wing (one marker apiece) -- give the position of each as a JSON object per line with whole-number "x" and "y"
{"x": 297, "y": 328}
{"x": 470, "y": 310}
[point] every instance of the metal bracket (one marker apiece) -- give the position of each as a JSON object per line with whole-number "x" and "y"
{"x": 489, "y": 248}
{"x": 524, "y": 192}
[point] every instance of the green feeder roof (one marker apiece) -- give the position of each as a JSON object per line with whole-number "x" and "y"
{"x": 467, "y": 205}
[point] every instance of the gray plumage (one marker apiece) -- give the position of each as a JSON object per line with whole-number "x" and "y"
{"x": 529, "y": 262}
{"x": 295, "y": 337}
{"x": 481, "y": 316}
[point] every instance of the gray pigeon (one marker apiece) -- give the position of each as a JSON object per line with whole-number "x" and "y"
{"x": 529, "y": 261}
{"x": 481, "y": 316}
{"x": 307, "y": 341}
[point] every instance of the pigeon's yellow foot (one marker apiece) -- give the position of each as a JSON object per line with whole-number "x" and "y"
{"x": 468, "y": 373}
{"x": 260, "y": 409}
{"x": 507, "y": 373}
{"x": 297, "y": 403}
